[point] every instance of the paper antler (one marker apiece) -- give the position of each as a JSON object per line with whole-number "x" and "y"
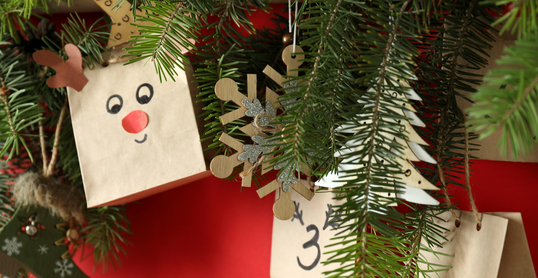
{"x": 68, "y": 74}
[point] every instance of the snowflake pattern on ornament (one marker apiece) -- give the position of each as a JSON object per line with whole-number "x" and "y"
{"x": 64, "y": 267}
{"x": 11, "y": 246}
{"x": 42, "y": 249}
{"x": 257, "y": 157}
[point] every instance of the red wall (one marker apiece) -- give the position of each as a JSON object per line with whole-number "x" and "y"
{"x": 212, "y": 229}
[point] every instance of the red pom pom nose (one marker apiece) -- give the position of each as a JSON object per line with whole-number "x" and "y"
{"x": 135, "y": 121}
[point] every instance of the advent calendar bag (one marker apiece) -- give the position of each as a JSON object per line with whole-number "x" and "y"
{"x": 299, "y": 244}
{"x": 135, "y": 136}
{"x": 498, "y": 249}
{"x": 469, "y": 252}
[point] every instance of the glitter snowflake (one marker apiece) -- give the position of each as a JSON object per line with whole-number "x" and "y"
{"x": 11, "y": 246}
{"x": 252, "y": 152}
{"x": 43, "y": 249}
{"x": 64, "y": 267}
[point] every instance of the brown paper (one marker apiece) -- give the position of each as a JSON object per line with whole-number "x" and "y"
{"x": 9, "y": 266}
{"x": 516, "y": 258}
{"x": 118, "y": 166}
{"x": 298, "y": 244}
{"x": 488, "y": 146}
{"x": 473, "y": 253}
{"x": 68, "y": 73}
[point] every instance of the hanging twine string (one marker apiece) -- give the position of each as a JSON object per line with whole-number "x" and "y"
{"x": 468, "y": 176}
{"x": 116, "y": 55}
{"x": 249, "y": 170}
{"x": 261, "y": 127}
{"x": 445, "y": 191}
{"x": 295, "y": 27}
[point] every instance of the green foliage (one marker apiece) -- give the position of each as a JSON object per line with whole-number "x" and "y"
{"x": 355, "y": 53}
{"x": 347, "y": 81}
{"x": 511, "y": 88}
{"x": 509, "y": 97}
{"x": 105, "y": 233}
{"x": 447, "y": 70}
{"x": 19, "y": 108}
{"x": 228, "y": 53}
{"x": 167, "y": 28}
{"x": 422, "y": 238}
{"x": 14, "y": 13}
{"x": 90, "y": 40}
{"x": 522, "y": 16}
{"x": 6, "y": 208}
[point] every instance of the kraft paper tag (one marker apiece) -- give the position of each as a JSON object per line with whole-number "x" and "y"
{"x": 299, "y": 244}
{"x": 471, "y": 253}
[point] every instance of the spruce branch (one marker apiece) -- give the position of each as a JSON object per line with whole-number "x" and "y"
{"x": 311, "y": 79}
{"x": 6, "y": 203}
{"x": 90, "y": 40}
{"x": 521, "y": 16}
{"x": 168, "y": 31}
{"x": 3, "y": 94}
{"x": 20, "y": 109}
{"x": 463, "y": 35}
{"x": 507, "y": 99}
{"x": 106, "y": 232}
{"x": 15, "y": 13}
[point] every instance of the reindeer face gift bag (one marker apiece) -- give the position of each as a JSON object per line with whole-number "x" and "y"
{"x": 135, "y": 136}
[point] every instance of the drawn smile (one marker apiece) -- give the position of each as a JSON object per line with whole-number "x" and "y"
{"x": 143, "y": 140}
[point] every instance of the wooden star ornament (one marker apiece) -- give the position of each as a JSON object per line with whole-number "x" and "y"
{"x": 122, "y": 17}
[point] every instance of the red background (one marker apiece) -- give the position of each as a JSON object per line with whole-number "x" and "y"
{"x": 210, "y": 228}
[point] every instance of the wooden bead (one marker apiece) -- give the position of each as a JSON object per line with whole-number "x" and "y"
{"x": 287, "y": 39}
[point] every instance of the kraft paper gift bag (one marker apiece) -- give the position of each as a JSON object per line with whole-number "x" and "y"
{"x": 469, "y": 252}
{"x": 516, "y": 259}
{"x": 298, "y": 244}
{"x": 135, "y": 136}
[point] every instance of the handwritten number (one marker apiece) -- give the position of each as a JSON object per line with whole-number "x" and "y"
{"x": 311, "y": 243}
{"x": 298, "y": 214}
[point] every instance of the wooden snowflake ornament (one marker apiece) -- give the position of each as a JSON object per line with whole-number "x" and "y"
{"x": 222, "y": 166}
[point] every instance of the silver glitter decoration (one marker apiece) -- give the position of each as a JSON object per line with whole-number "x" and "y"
{"x": 290, "y": 87}
{"x": 269, "y": 109}
{"x": 286, "y": 176}
{"x": 252, "y": 152}
{"x": 254, "y": 108}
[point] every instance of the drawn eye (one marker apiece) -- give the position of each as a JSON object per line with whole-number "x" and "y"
{"x": 144, "y": 93}
{"x": 114, "y": 104}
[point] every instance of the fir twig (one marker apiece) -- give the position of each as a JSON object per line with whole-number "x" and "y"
{"x": 507, "y": 100}
{"x": 105, "y": 232}
{"x": 19, "y": 109}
